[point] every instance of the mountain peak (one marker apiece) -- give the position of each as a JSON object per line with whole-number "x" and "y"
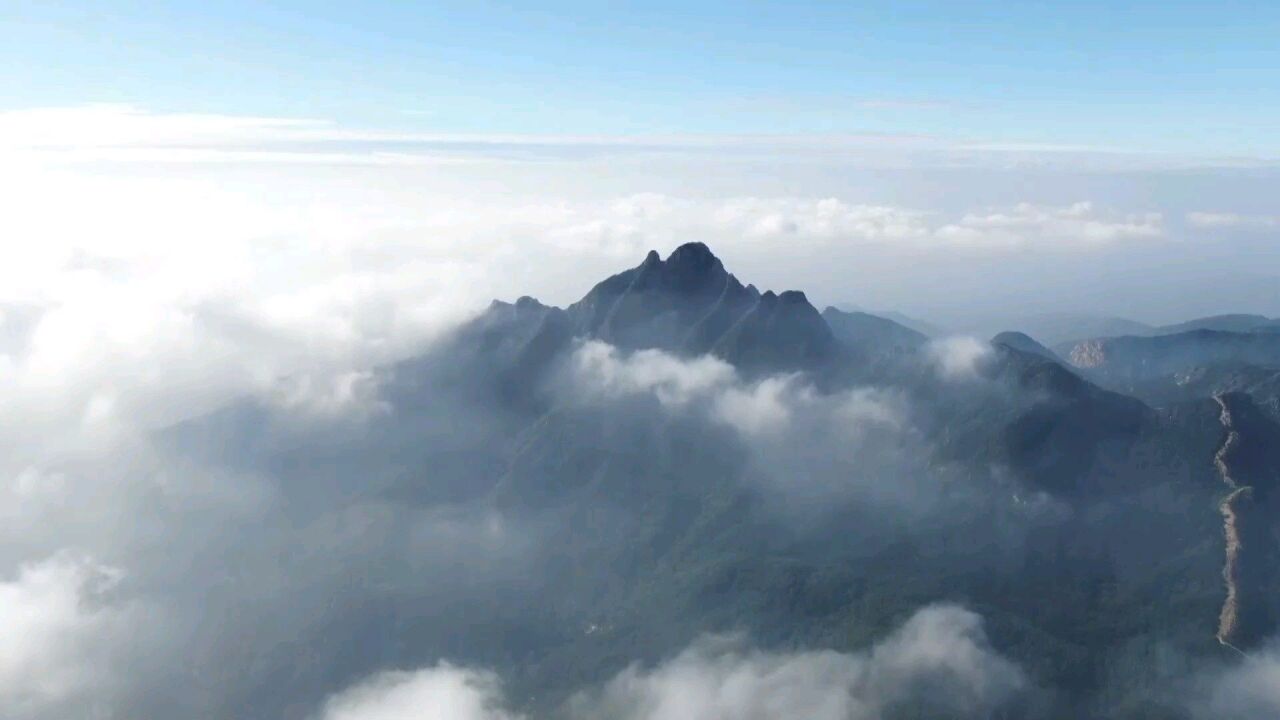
{"x": 692, "y": 252}
{"x": 686, "y": 301}
{"x": 692, "y": 266}
{"x": 1022, "y": 342}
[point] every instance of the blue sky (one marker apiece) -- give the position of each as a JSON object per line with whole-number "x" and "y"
{"x": 1176, "y": 77}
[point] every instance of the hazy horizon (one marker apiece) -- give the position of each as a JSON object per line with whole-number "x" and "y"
{"x": 948, "y": 160}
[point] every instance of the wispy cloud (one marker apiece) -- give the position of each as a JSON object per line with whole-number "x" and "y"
{"x": 129, "y": 133}
{"x": 1232, "y": 220}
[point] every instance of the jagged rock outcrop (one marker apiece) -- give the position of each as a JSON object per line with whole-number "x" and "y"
{"x": 683, "y": 303}
{"x": 690, "y": 304}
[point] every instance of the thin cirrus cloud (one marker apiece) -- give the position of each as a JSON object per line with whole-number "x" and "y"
{"x": 121, "y": 132}
{"x": 1227, "y": 220}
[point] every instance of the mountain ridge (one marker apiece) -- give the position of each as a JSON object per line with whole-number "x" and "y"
{"x": 842, "y": 470}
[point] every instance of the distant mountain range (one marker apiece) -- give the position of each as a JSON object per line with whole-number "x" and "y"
{"x": 1057, "y": 329}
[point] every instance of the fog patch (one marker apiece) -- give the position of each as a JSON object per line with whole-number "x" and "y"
{"x": 960, "y": 357}
{"x": 604, "y": 370}
{"x": 345, "y": 394}
{"x": 766, "y": 406}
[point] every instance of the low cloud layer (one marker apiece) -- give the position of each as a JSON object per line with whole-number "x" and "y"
{"x": 755, "y": 408}
{"x": 305, "y": 226}
{"x": 939, "y": 661}
{"x": 1024, "y": 224}
{"x": 443, "y": 691}
{"x": 1248, "y": 690}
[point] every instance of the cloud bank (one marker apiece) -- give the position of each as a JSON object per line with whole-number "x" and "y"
{"x": 939, "y": 661}
{"x": 442, "y": 691}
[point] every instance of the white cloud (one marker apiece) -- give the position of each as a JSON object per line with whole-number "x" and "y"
{"x": 56, "y": 620}
{"x": 768, "y": 406}
{"x": 871, "y": 406}
{"x": 763, "y": 407}
{"x": 806, "y": 448}
{"x": 826, "y": 220}
{"x": 959, "y": 357}
{"x": 602, "y": 368}
{"x": 1078, "y": 224}
{"x": 755, "y": 408}
{"x": 444, "y": 692}
{"x": 1218, "y": 220}
{"x": 939, "y": 659}
{"x": 753, "y": 222}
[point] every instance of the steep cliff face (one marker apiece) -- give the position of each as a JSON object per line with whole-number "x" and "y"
{"x": 1088, "y": 353}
